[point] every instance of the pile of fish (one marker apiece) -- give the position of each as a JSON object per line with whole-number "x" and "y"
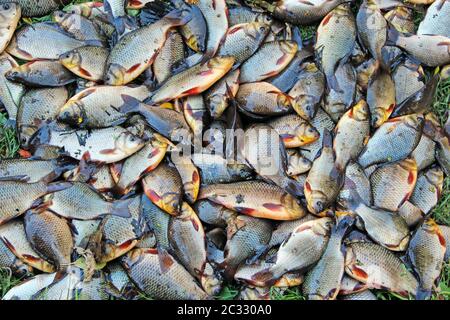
{"x": 183, "y": 147}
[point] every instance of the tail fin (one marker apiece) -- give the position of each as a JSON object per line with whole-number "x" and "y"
{"x": 131, "y": 104}
{"x": 120, "y": 208}
{"x": 266, "y": 277}
{"x": 294, "y": 187}
{"x": 392, "y": 37}
{"x": 178, "y": 17}
{"x": 344, "y": 225}
{"x": 58, "y": 186}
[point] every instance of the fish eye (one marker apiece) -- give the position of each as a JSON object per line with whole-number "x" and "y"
{"x": 6, "y": 6}
{"x": 262, "y": 29}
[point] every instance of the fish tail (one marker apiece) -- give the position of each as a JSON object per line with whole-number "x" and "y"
{"x": 392, "y": 37}
{"x": 353, "y": 200}
{"x": 423, "y": 294}
{"x": 344, "y": 225}
{"x": 58, "y": 186}
{"x": 121, "y": 208}
{"x": 130, "y": 104}
{"x": 178, "y": 17}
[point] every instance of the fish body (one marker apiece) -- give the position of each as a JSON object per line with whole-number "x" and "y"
{"x": 435, "y": 20}
{"x": 88, "y": 62}
{"x": 428, "y": 189}
{"x": 217, "y": 97}
{"x": 10, "y": 15}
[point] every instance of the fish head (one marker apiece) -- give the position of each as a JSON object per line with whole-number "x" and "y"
{"x": 361, "y": 111}
{"x": 61, "y": 17}
{"x": 10, "y": 9}
{"x": 194, "y": 44}
{"x": 415, "y": 121}
{"x": 317, "y": 201}
{"x": 284, "y": 102}
{"x": 379, "y": 117}
{"x": 73, "y": 114}
{"x": 306, "y": 133}
{"x": 435, "y": 175}
{"x": 305, "y": 106}
{"x": 71, "y": 59}
{"x": 257, "y": 30}
{"x": 128, "y": 143}
{"x": 115, "y": 75}
{"x": 217, "y": 105}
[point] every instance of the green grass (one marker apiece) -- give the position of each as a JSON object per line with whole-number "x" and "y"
{"x": 7, "y": 281}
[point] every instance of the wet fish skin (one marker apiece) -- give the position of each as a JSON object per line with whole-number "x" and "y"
{"x": 324, "y": 280}
{"x": 351, "y": 132}
{"x": 308, "y": 91}
{"x": 123, "y": 67}
{"x": 80, "y": 201}
{"x": 161, "y": 280}
{"x": 164, "y": 187}
{"x": 378, "y": 268}
{"x": 434, "y": 21}
{"x": 260, "y": 67}
{"x": 311, "y": 238}
{"x": 408, "y": 77}
{"x": 294, "y": 130}
{"x": 333, "y": 45}
{"x": 297, "y": 163}
{"x": 32, "y": 8}
{"x": 157, "y": 221}
{"x": 409, "y": 127}
{"x": 171, "y": 53}
{"x": 51, "y": 237}
{"x": 324, "y": 179}
{"x": 393, "y": 184}
{"x": 87, "y": 62}
{"x": 245, "y": 198}
{"x": 13, "y": 263}
{"x": 217, "y": 97}
{"x": 41, "y": 73}
{"x": 29, "y": 287}
{"x": 380, "y": 96}
{"x": 354, "y": 174}
{"x": 426, "y": 253}
{"x": 11, "y": 14}
{"x": 8, "y": 89}
{"x": 428, "y": 189}
{"x": 401, "y": 18}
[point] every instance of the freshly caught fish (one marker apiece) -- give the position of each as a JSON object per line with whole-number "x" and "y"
{"x": 426, "y": 253}
{"x": 402, "y": 19}
{"x": 294, "y": 130}
{"x": 446, "y": 233}
{"x": 411, "y": 214}
{"x": 433, "y": 129}
{"x": 190, "y": 176}
{"x": 213, "y": 214}
{"x": 428, "y": 189}
{"x": 195, "y": 113}
{"x": 28, "y": 288}
{"x": 420, "y": 101}
{"x": 436, "y": 19}
{"x": 246, "y": 237}
{"x": 324, "y": 280}
{"x": 10, "y": 93}
{"x": 166, "y": 279}
{"x": 216, "y": 18}
{"x": 142, "y": 162}
{"x": 387, "y": 228}
{"x": 406, "y": 131}
{"x": 51, "y": 237}
{"x": 14, "y": 237}
{"x": 33, "y": 170}
{"x": 263, "y": 99}
{"x": 265, "y": 152}
{"x": 324, "y": 179}
{"x": 187, "y": 237}
{"x": 284, "y": 229}
{"x": 31, "y": 8}
{"x": 372, "y": 29}
{"x": 245, "y": 197}
{"x": 243, "y": 40}
{"x": 336, "y": 38}
{"x": 297, "y": 164}
{"x": 90, "y": 9}
{"x": 310, "y": 238}
{"x": 296, "y": 12}
{"x": 98, "y": 143}
{"x": 120, "y": 234}
{"x": 216, "y": 169}
{"x": 351, "y": 133}
{"x": 378, "y": 268}
{"x": 321, "y": 122}
{"x": 36, "y": 108}
{"x": 350, "y": 286}
{"x": 437, "y": 52}
{"x": 157, "y": 221}
{"x": 12, "y": 196}
{"x": 98, "y": 107}
{"x": 287, "y": 78}
{"x": 217, "y": 99}
{"x": 170, "y": 54}
{"x": 271, "y": 58}
{"x": 144, "y": 43}
{"x": 27, "y": 42}
{"x": 81, "y": 28}
{"x": 9, "y": 261}
{"x": 10, "y": 15}
{"x": 84, "y": 231}
{"x": 364, "y": 71}
{"x": 63, "y": 288}
{"x": 41, "y": 73}
{"x": 192, "y": 81}
{"x": 393, "y": 183}
{"x": 80, "y": 201}
{"x": 363, "y": 295}
{"x": 88, "y": 62}
{"x": 408, "y": 78}
{"x": 354, "y": 175}
{"x": 308, "y": 91}
{"x": 164, "y": 187}
{"x": 337, "y": 102}
{"x": 424, "y": 153}
{"x": 380, "y": 97}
